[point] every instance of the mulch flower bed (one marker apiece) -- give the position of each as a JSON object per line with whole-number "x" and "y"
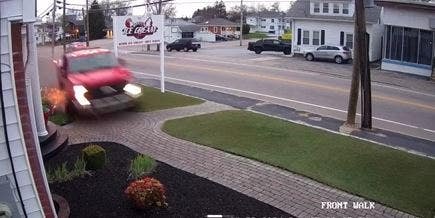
{"x": 102, "y": 194}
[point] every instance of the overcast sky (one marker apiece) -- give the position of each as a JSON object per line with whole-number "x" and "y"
{"x": 184, "y": 7}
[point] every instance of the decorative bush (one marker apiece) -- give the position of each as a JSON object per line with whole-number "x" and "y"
{"x": 94, "y": 156}
{"x": 146, "y": 192}
{"x": 141, "y": 165}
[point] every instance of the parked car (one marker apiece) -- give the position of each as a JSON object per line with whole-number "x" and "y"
{"x": 184, "y": 44}
{"x": 339, "y": 54}
{"x": 270, "y": 45}
{"x": 221, "y": 38}
{"x": 75, "y": 46}
{"x": 95, "y": 82}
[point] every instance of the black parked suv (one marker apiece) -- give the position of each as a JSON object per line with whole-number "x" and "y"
{"x": 184, "y": 44}
{"x": 270, "y": 45}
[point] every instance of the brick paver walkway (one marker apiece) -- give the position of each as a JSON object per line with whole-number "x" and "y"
{"x": 287, "y": 191}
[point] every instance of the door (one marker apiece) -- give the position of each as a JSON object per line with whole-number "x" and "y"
{"x": 268, "y": 45}
{"x": 321, "y": 52}
{"x": 277, "y": 46}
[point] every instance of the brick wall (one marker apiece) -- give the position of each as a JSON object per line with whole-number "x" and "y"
{"x": 31, "y": 145}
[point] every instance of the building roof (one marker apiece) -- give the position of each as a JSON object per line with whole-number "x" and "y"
{"x": 218, "y": 22}
{"x": 301, "y": 10}
{"x": 176, "y": 22}
{"x": 407, "y": 4}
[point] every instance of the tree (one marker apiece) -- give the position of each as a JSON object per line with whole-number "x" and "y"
{"x": 234, "y": 13}
{"x": 218, "y": 10}
{"x": 155, "y": 7}
{"x": 275, "y": 7}
{"x": 96, "y": 24}
{"x": 246, "y": 29}
{"x": 119, "y": 11}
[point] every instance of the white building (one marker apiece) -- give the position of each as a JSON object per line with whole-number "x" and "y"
{"x": 24, "y": 190}
{"x": 331, "y": 22}
{"x": 269, "y": 22}
{"x": 177, "y": 29}
{"x": 409, "y": 36}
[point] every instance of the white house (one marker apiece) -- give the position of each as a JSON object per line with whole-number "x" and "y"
{"x": 409, "y": 36}
{"x": 177, "y": 28}
{"x": 331, "y": 22}
{"x": 24, "y": 190}
{"x": 270, "y": 22}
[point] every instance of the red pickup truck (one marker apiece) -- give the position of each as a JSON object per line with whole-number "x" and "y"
{"x": 95, "y": 82}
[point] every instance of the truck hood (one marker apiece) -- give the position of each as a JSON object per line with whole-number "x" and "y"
{"x": 100, "y": 77}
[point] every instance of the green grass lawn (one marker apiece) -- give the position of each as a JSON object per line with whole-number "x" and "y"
{"x": 256, "y": 35}
{"x": 152, "y": 99}
{"x": 395, "y": 178}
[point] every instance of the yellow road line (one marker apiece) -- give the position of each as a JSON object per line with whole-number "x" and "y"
{"x": 297, "y": 82}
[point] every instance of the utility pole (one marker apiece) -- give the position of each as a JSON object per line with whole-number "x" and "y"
{"x": 63, "y": 28}
{"x": 159, "y": 11}
{"x": 87, "y": 23}
{"x": 53, "y": 27}
{"x": 241, "y": 23}
{"x": 360, "y": 61}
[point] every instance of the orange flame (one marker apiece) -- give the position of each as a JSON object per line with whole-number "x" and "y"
{"x": 56, "y": 97}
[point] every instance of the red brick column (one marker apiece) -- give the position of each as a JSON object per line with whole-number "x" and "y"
{"x": 31, "y": 145}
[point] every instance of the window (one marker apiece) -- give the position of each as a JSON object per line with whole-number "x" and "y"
{"x": 279, "y": 27}
{"x": 387, "y": 43}
{"x": 336, "y": 9}
{"x": 187, "y": 35}
{"x": 264, "y": 20}
{"x": 322, "y": 37}
{"x": 426, "y": 43}
{"x": 276, "y": 42}
{"x": 325, "y": 8}
{"x": 333, "y": 48}
{"x": 273, "y": 20}
{"x": 410, "y": 45}
{"x": 263, "y": 27}
{"x": 322, "y": 48}
{"x": 341, "y": 38}
{"x": 396, "y": 43}
{"x": 299, "y": 37}
{"x": 272, "y": 27}
{"x": 345, "y": 8}
{"x": 349, "y": 40}
{"x": 306, "y": 37}
{"x": 223, "y": 28}
{"x": 316, "y": 7}
{"x": 215, "y": 29}
{"x": 316, "y": 37}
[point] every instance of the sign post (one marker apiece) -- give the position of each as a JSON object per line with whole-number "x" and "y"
{"x": 140, "y": 30}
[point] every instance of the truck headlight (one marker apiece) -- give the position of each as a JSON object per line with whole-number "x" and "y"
{"x": 79, "y": 94}
{"x": 132, "y": 90}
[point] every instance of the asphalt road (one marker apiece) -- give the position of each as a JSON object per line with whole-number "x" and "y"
{"x": 317, "y": 87}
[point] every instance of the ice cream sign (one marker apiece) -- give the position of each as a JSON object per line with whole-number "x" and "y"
{"x": 137, "y": 30}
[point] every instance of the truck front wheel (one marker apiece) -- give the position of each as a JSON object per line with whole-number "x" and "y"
{"x": 258, "y": 50}
{"x": 287, "y": 52}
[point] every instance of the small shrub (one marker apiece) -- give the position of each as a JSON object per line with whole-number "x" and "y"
{"x": 141, "y": 165}
{"x": 146, "y": 192}
{"x": 79, "y": 168}
{"x": 62, "y": 174}
{"x": 59, "y": 174}
{"x": 95, "y": 157}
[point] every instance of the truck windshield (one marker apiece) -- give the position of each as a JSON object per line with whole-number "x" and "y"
{"x": 93, "y": 62}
